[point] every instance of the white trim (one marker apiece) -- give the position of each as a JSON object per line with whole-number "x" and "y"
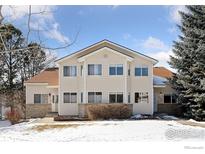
{"x": 81, "y": 59}
{"x": 159, "y": 86}
{"x": 84, "y": 82}
{"x": 154, "y": 61}
{"x": 106, "y": 41}
{"x": 115, "y": 65}
{"x": 36, "y": 84}
{"x": 125, "y": 83}
{"x": 52, "y": 86}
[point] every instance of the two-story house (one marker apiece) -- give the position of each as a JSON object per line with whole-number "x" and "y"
{"x": 104, "y": 72}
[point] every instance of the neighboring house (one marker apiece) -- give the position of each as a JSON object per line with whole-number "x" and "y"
{"x": 104, "y": 72}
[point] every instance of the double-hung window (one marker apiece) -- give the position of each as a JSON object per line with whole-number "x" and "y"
{"x": 70, "y": 97}
{"x": 94, "y": 97}
{"x": 141, "y": 71}
{"x": 94, "y": 69}
{"x": 116, "y": 69}
{"x": 141, "y": 97}
{"x": 116, "y": 97}
{"x": 40, "y": 98}
{"x": 70, "y": 70}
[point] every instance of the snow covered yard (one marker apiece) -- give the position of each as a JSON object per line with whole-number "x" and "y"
{"x": 127, "y": 130}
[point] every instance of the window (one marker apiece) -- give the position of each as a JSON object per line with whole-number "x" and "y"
{"x": 81, "y": 97}
{"x": 70, "y": 71}
{"x": 144, "y": 71}
{"x": 141, "y": 97}
{"x": 70, "y": 97}
{"x": 129, "y": 98}
{"x": 116, "y": 97}
{"x": 128, "y": 73}
{"x": 94, "y": 97}
{"x": 141, "y": 71}
{"x": 56, "y": 101}
{"x": 37, "y": 98}
{"x": 169, "y": 98}
{"x": 94, "y": 69}
{"x": 116, "y": 69}
{"x": 137, "y": 98}
{"x": 40, "y": 98}
{"x": 81, "y": 70}
{"x": 53, "y": 99}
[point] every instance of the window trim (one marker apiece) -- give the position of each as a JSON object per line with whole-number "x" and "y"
{"x": 94, "y": 70}
{"x": 141, "y": 72}
{"x": 95, "y": 97}
{"x": 116, "y": 97}
{"x": 69, "y": 93}
{"x": 41, "y": 99}
{"x": 70, "y": 66}
{"x": 171, "y": 98}
{"x": 116, "y": 67}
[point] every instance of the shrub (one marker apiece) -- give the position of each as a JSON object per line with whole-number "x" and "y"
{"x": 13, "y": 116}
{"x": 108, "y": 111}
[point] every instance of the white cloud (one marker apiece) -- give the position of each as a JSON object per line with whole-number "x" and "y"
{"x": 44, "y": 21}
{"x": 154, "y": 43}
{"x": 55, "y": 34}
{"x": 174, "y": 13}
{"x": 157, "y": 49}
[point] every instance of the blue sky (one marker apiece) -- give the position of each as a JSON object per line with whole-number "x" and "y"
{"x": 146, "y": 29}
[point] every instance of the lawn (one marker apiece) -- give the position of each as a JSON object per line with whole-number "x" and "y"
{"x": 127, "y": 130}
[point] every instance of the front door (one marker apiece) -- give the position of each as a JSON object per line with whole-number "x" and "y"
{"x": 54, "y": 103}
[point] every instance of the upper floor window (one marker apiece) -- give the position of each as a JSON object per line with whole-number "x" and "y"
{"x": 141, "y": 71}
{"x": 116, "y": 69}
{"x": 69, "y": 70}
{"x": 94, "y": 69}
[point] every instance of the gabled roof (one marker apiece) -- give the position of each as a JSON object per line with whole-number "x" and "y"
{"x": 49, "y": 76}
{"x": 109, "y": 44}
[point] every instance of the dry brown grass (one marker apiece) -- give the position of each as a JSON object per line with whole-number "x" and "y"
{"x": 41, "y": 128}
{"x": 108, "y": 111}
{"x": 189, "y": 123}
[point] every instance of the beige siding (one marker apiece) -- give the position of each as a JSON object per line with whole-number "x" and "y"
{"x": 32, "y": 89}
{"x": 106, "y": 83}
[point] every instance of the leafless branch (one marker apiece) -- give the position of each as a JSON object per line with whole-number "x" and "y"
{"x": 2, "y": 40}
{"x": 28, "y": 23}
{"x": 1, "y": 16}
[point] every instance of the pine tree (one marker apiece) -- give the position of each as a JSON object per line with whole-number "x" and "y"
{"x": 189, "y": 62}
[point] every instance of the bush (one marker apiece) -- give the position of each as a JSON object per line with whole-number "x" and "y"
{"x": 108, "y": 111}
{"x": 13, "y": 116}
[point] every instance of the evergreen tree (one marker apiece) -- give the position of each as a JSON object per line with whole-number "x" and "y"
{"x": 189, "y": 62}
